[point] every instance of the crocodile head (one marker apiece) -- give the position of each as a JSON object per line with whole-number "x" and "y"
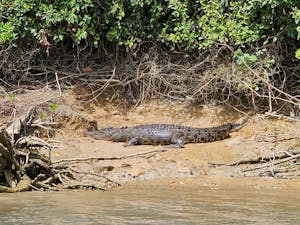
{"x": 102, "y": 134}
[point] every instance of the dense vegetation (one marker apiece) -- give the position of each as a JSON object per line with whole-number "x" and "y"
{"x": 255, "y": 33}
{"x": 178, "y": 23}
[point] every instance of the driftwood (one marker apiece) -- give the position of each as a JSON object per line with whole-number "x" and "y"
{"x": 279, "y": 164}
{"x": 284, "y": 160}
{"x": 23, "y": 167}
{"x": 21, "y": 123}
{"x": 261, "y": 159}
{"x": 17, "y": 165}
{"x": 9, "y": 165}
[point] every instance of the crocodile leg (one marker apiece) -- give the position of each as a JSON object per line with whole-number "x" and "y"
{"x": 177, "y": 140}
{"x": 132, "y": 141}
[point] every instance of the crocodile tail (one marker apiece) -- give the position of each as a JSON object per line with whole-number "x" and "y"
{"x": 238, "y": 126}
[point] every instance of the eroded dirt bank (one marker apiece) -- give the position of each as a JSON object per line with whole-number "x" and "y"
{"x": 107, "y": 164}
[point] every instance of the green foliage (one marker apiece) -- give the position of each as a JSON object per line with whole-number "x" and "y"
{"x": 296, "y": 16}
{"x": 243, "y": 59}
{"x": 7, "y": 32}
{"x": 42, "y": 116}
{"x": 188, "y": 24}
{"x": 53, "y": 106}
{"x": 297, "y": 53}
{"x": 11, "y": 96}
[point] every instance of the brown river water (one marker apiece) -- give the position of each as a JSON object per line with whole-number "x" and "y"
{"x": 161, "y": 205}
{"x": 213, "y": 205}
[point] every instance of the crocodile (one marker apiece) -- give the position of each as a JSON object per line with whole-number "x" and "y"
{"x": 164, "y": 134}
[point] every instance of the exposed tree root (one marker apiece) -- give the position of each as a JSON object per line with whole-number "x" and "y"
{"x": 280, "y": 164}
{"x": 206, "y": 76}
{"x": 273, "y": 163}
{"x": 24, "y": 167}
{"x": 23, "y": 185}
{"x": 262, "y": 159}
{"x": 64, "y": 161}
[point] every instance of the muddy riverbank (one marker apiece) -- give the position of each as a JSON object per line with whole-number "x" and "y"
{"x": 250, "y": 157}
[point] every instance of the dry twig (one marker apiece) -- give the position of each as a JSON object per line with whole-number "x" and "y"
{"x": 109, "y": 158}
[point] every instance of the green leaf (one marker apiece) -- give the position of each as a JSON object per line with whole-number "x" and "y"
{"x": 252, "y": 58}
{"x": 53, "y": 107}
{"x": 11, "y": 97}
{"x": 297, "y": 54}
{"x": 42, "y": 115}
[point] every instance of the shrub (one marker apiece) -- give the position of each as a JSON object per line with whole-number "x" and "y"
{"x": 187, "y": 24}
{"x": 296, "y": 16}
